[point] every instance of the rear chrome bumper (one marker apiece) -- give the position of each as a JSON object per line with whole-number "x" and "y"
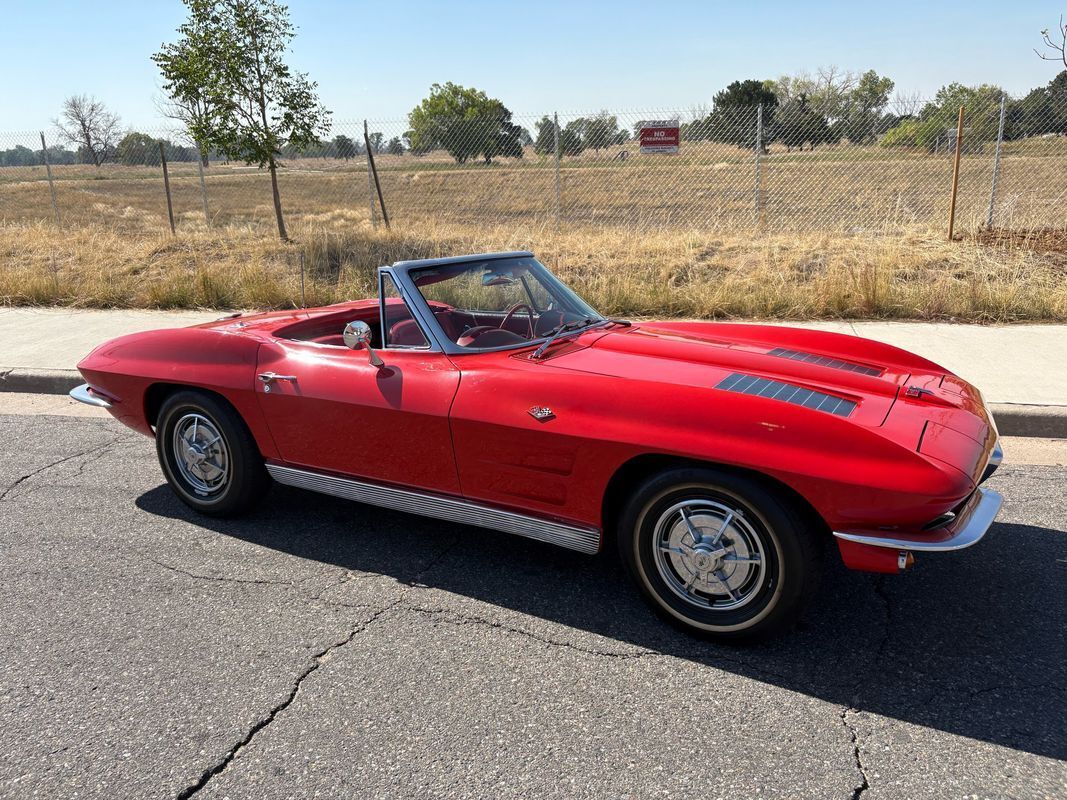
{"x": 970, "y": 526}
{"x": 85, "y": 394}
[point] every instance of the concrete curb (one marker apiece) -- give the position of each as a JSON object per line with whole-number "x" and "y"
{"x": 1012, "y": 419}
{"x": 39, "y": 381}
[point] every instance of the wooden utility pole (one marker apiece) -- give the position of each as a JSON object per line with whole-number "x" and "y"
{"x": 374, "y": 171}
{"x": 955, "y": 176}
{"x": 51, "y": 186}
{"x": 166, "y": 185}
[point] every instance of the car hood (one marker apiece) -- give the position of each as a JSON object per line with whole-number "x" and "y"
{"x": 872, "y": 375}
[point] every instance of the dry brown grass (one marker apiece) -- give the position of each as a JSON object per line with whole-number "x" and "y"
{"x": 640, "y": 273}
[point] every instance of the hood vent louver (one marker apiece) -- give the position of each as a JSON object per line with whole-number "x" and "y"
{"x": 825, "y": 361}
{"x": 787, "y": 393}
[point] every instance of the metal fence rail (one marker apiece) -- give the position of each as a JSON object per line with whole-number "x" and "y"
{"x": 754, "y": 168}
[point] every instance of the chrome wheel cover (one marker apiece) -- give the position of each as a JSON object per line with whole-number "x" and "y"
{"x": 709, "y": 554}
{"x": 200, "y": 454}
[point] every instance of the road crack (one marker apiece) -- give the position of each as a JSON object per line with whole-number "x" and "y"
{"x": 879, "y": 652}
{"x": 864, "y": 784}
{"x": 263, "y": 722}
{"x": 29, "y": 475}
{"x": 467, "y": 619}
{"x": 218, "y": 578}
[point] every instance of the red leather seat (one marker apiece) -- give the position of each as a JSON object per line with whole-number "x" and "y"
{"x": 406, "y": 333}
{"x": 448, "y": 324}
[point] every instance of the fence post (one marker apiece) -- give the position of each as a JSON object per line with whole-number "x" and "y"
{"x": 370, "y": 196}
{"x": 166, "y": 185}
{"x": 955, "y": 175}
{"x": 756, "y": 200}
{"x": 203, "y": 187}
{"x": 996, "y": 165}
{"x": 555, "y": 147}
{"x": 51, "y": 186}
{"x": 374, "y": 172}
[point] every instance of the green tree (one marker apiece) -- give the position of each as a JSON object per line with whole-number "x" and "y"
{"x": 344, "y": 147}
{"x": 936, "y": 122}
{"x": 138, "y": 149}
{"x": 191, "y": 108}
{"x": 796, "y": 124}
{"x": 465, "y": 123}
{"x": 601, "y": 131}
{"x": 376, "y": 141}
{"x": 865, "y": 111}
{"x": 231, "y": 53}
{"x": 572, "y": 137}
{"x": 734, "y": 113}
{"x": 1042, "y": 110}
{"x": 545, "y": 141}
{"x": 395, "y": 147}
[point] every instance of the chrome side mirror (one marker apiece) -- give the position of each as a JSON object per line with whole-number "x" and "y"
{"x": 357, "y": 335}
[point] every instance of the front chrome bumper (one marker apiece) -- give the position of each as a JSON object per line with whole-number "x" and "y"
{"x": 995, "y": 459}
{"x": 970, "y": 526}
{"x": 85, "y": 394}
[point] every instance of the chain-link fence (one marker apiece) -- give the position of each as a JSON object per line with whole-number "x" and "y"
{"x": 785, "y": 168}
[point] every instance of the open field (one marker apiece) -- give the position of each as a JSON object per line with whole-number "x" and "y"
{"x": 842, "y": 231}
{"x": 669, "y": 273}
{"x": 709, "y": 186}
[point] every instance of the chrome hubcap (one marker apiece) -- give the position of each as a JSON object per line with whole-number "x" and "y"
{"x": 709, "y": 554}
{"x": 200, "y": 454}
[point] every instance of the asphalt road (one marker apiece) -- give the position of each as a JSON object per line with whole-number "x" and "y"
{"x": 322, "y": 648}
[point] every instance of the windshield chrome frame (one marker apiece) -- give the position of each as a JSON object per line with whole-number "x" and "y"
{"x": 422, "y": 311}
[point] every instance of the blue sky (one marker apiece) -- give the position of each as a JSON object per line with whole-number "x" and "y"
{"x": 377, "y": 60}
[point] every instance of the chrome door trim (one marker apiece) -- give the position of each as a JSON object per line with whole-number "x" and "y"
{"x": 573, "y": 537}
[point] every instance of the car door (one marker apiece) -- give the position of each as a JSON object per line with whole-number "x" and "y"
{"x": 330, "y": 409}
{"x": 531, "y": 438}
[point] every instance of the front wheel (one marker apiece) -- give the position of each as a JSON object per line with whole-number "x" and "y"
{"x": 208, "y": 455}
{"x": 719, "y": 554}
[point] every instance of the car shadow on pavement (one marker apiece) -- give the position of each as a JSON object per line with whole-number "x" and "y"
{"x": 970, "y": 643}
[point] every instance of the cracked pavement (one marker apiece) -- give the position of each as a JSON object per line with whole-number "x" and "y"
{"x": 323, "y": 648}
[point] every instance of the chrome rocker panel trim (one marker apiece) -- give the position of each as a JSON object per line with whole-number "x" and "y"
{"x": 971, "y": 526}
{"x": 82, "y": 395}
{"x": 584, "y": 540}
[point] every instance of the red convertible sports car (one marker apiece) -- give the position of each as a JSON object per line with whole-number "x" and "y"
{"x": 721, "y": 458}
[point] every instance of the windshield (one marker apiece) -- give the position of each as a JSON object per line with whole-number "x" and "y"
{"x": 499, "y": 302}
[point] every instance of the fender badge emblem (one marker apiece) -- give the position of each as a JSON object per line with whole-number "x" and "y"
{"x": 916, "y": 391}
{"x": 541, "y": 413}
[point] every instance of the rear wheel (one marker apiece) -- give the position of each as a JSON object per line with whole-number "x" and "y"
{"x": 208, "y": 455}
{"x": 719, "y": 554}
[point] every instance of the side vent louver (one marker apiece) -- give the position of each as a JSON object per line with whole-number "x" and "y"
{"x": 787, "y": 393}
{"x": 824, "y": 361}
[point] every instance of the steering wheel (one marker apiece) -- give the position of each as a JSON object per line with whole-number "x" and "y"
{"x": 529, "y": 321}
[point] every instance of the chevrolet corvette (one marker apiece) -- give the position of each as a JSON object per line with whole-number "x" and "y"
{"x": 721, "y": 459}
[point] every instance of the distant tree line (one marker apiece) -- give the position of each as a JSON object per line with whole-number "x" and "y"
{"x": 835, "y": 107}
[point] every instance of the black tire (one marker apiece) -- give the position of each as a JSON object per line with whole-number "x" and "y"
{"x": 244, "y": 479}
{"x": 657, "y": 546}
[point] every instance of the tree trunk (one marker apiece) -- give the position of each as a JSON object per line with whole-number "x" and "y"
{"x": 204, "y": 156}
{"x": 282, "y": 234}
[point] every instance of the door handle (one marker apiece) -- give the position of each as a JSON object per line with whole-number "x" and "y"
{"x": 269, "y": 377}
